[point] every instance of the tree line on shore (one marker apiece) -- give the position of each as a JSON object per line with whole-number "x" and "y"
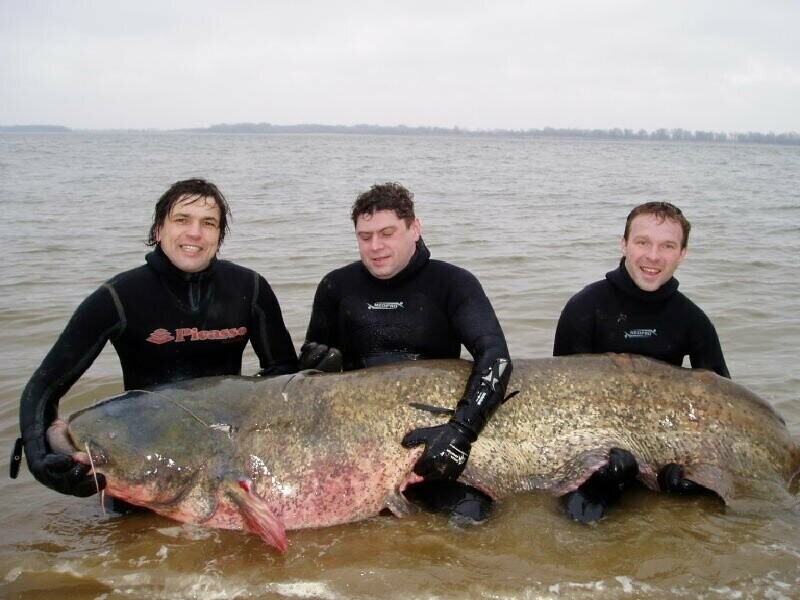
{"x": 663, "y": 134}
{"x": 677, "y": 134}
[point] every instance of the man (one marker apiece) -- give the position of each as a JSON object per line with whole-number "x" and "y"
{"x": 183, "y": 314}
{"x": 398, "y": 304}
{"x": 638, "y": 309}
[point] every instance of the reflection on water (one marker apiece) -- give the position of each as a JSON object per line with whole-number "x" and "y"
{"x": 535, "y": 220}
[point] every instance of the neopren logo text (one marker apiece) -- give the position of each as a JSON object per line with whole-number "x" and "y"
{"x": 640, "y": 333}
{"x": 385, "y": 305}
{"x": 183, "y": 334}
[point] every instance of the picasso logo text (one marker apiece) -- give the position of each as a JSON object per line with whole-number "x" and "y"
{"x": 193, "y": 334}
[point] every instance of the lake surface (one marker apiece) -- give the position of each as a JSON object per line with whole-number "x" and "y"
{"x": 534, "y": 219}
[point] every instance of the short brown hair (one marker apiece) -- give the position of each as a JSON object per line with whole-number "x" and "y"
{"x": 662, "y": 211}
{"x": 385, "y": 196}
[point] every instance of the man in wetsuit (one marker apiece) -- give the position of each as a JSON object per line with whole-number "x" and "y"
{"x": 638, "y": 309}
{"x": 184, "y": 314}
{"x": 398, "y": 304}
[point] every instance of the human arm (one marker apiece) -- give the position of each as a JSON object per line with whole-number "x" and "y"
{"x": 575, "y": 328}
{"x": 705, "y": 351}
{"x": 448, "y": 446}
{"x": 270, "y": 338}
{"x": 94, "y": 322}
{"x": 319, "y": 350}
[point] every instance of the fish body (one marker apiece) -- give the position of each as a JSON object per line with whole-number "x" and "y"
{"x": 314, "y": 450}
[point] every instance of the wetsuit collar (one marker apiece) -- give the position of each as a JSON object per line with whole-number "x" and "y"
{"x": 163, "y": 266}
{"x": 621, "y": 279}
{"x": 419, "y": 260}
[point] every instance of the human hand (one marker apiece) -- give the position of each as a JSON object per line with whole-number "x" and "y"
{"x": 60, "y": 472}
{"x": 320, "y": 357}
{"x": 447, "y": 449}
{"x": 672, "y": 479}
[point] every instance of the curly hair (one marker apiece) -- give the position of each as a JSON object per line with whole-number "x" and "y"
{"x": 385, "y": 196}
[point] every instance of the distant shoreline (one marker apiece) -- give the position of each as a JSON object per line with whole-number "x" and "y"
{"x": 674, "y": 135}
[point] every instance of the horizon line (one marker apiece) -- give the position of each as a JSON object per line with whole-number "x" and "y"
{"x": 248, "y": 127}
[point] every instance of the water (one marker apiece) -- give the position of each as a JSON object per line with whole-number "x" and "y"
{"x": 534, "y": 219}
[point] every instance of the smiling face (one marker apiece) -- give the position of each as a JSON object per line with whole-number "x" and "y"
{"x": 653, "y": 250}
{"x": 189, "y": 235}
{"x": 386, "y": 243}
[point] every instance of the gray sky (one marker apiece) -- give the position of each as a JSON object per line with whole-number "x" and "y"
{"x": 721, "y": 65}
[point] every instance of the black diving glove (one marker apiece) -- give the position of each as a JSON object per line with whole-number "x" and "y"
{"x": 671, "y": 480}
{"x": 58, "y": 471}
{"x": 447, "y": 446}
{"x": 320, "y": 357}
{"x": 447, "y": 449}
{"x": 603, "y": 489}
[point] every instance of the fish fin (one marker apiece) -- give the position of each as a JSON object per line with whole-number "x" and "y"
{"x": 400, "y": 506}
{"x": 573, "y": 472}
{"x": 740, "y": 494}
{"x": 256, "y": 514}
{"x": 712, "y": 478}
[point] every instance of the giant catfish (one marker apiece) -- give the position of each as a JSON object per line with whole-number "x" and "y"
{"x": 313, "y": 449}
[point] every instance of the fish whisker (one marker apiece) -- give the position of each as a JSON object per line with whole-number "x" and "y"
{"x": 96, "y": 483}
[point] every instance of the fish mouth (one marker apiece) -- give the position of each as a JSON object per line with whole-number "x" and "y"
{"x": 92, "y": 454}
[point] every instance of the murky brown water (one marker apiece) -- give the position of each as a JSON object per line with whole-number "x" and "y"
{"x": 534, "y": 219}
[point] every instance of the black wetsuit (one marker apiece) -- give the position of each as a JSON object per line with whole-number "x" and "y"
{"x": 166, "y": 325}
{"x": 428, "y": 310}
{"x": 615, "y": 315}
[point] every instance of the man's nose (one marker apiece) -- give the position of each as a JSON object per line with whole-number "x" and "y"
{"x": 194, "y": 229}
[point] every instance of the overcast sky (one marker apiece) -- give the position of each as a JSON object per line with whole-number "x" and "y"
{"x": 720, "y": 65}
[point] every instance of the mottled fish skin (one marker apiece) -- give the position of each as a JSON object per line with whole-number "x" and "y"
{"x": 323, "y": 449}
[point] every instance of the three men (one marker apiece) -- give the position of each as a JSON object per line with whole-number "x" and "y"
{"x": 398, "y": 304}
{"x": 638, "y": 309}
{"x": 186, "y": 314}
{"x": 183, "y": 314}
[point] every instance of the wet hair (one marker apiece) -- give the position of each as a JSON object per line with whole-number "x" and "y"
{"x": 662, "y": 211}
{"x": 385, "y": 196}
{"x": 194, "y": 190}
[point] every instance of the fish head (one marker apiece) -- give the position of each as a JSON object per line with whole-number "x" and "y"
{"x": 154, "y": 451}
